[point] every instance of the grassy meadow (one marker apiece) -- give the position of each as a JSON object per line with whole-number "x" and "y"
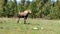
{"x": 10, "y": 26}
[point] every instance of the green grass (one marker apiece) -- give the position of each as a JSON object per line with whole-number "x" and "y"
{"x": 10, "y": 26}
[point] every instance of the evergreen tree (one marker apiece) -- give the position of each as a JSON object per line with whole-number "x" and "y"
{"x": 10, "y": 9}
{"x": 2, "y": 5}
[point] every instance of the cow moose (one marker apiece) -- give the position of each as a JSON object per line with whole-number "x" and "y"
{"x": 23, "y": 15}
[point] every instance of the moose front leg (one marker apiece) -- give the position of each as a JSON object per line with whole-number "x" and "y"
{"x": 25, "y": 18}
{"x": 18, "y": 20}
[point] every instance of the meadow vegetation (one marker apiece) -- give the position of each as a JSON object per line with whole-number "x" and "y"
{"x": 10, "y": 26}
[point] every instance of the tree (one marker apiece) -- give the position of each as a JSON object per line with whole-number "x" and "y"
{"x": 33, "y": 8}
{"x": 10, "y": 9}
{"x": 2, "y": 5}
{"x": 22, "y": 2}
{"x": 55, "y": 12}
{"x": 27, "y": 3}
{"x": 15, "y": 8}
